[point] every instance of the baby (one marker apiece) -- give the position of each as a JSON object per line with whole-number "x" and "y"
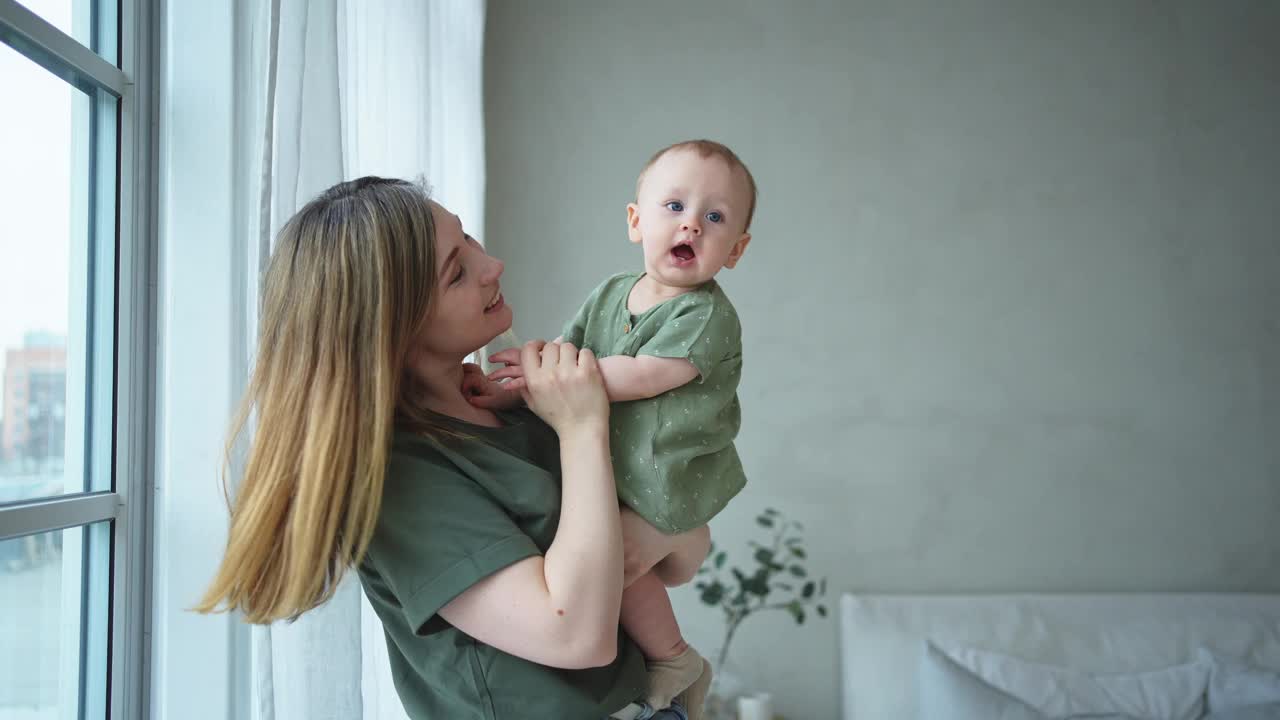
{"x": 670, "y": 352}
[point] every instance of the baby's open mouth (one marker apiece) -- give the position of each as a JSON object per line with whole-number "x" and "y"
{"x": 683, "y": 253}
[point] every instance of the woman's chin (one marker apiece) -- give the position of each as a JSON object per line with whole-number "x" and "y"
{"x": 501, "y": 323}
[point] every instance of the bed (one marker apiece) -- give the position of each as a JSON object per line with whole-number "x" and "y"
{"x": 1028, "y": 657}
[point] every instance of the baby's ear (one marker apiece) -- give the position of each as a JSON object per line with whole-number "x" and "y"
{"x": 633, "y": 222}
{"x": 739, "y": 248}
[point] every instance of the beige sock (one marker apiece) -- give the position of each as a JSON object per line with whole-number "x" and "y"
{"x": 669, "y": 678}
{"x": 696, "y": 694}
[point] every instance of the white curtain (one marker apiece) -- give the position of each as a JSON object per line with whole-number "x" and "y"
{"x": 333, "y": 90}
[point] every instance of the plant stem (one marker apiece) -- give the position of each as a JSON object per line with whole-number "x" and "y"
{"x": 728, "y": 637}
{"x": 736, "y": 614}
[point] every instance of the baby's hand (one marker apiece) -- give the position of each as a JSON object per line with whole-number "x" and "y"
{"x": 484, "y": 393}
{"x": 513, "y": 373}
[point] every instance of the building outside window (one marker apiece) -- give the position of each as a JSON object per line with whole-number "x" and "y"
{"x": 75, "y": 243}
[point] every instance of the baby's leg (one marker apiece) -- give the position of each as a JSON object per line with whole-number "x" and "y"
{"x": 648, "y": 618}
{"x": 681, "y": 565}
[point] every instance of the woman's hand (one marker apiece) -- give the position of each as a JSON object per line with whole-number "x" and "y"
{"x": 563, "y": 386}
{"x": 485, "y": 393}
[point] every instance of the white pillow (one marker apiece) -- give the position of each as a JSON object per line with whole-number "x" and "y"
{"x": 1269, "y": 711}
{"x": 1173, "y": 693}
{"x": 1236, "y": 684}
{"x": 947, "y": 691}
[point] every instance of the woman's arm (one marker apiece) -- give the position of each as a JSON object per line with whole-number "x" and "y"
{"x": 560, "y": 609}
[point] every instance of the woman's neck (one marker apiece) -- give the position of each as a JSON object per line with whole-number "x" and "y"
{"x": 440, "y": 390}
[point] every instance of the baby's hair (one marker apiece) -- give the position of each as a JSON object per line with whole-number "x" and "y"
{"x": 708, "y": 148}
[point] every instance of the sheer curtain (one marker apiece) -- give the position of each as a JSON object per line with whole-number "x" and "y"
{"x": 333, "y": 90}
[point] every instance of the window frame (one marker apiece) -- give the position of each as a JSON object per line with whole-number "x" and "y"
{"x": 127, "y": 324}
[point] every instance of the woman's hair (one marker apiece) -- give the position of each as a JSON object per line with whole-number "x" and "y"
{"x": 347, "y": 290}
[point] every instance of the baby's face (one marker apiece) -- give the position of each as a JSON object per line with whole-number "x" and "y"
{"x": 690, "y": 217}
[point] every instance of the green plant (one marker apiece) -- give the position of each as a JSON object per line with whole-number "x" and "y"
{"x": 778, "y": 574}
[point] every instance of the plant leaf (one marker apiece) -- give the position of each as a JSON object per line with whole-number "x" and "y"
{"x": 796, "y": 611}
{"x": 720, "y": 558}
{"x": 713, "y": 594}
{"x": 798, "y": 552}
{"x": 797, "y": 571}
{"x": 764, "y": 521}
{"x": 807, "y": 592}
{"x": 822, "y": 610}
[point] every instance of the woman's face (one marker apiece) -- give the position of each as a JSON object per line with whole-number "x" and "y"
{"x": 468, "y": 310}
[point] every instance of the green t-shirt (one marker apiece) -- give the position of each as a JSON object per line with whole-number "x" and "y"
{"x": 673, "y": 456}
{"x": 454, "y": 512}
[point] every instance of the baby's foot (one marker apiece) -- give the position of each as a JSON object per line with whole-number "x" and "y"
{"x": 696, "y": 694}
{"x": 669, "y": 678}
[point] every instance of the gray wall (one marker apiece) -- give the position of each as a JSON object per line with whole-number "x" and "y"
{"x": 1011, "y": 311}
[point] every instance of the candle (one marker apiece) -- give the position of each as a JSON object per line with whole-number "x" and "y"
{"x": 758, "y": 706}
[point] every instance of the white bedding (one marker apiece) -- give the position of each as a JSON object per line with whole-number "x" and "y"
{"x": 883, "y": 636}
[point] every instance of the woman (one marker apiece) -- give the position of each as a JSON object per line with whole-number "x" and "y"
{"x": 489, "y": 541}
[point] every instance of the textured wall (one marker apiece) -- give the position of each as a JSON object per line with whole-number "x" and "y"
{"x": 1011, "y": 310}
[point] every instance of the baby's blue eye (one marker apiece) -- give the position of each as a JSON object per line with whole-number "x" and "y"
{"x": 675, "y": 206}
{"x": 715, "y": 217}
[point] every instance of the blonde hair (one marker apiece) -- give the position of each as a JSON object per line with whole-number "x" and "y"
{"x": 706, "y": 149}
{"x": 347, "y": 289}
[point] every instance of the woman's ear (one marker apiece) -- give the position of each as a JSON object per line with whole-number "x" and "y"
{"x": 633, "y": 222}
{"x": 735, "y": 254}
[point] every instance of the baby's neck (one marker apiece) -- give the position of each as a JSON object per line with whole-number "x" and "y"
{"x": 649, "y": 292}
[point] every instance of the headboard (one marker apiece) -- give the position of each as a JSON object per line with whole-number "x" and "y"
{"x": 882, "y": 636}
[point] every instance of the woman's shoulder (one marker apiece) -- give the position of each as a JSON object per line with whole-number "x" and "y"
{"x": 416, "y": 456}
{"x": 428, "y": 469}
{"x": 415, "y": 448}
{"x": 457, "y": 440}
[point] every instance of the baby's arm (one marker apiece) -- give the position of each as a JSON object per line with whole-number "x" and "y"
{"x": 645, "y": 376}
{"x": 625, "y": 377}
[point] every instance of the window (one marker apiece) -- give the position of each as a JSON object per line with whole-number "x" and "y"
{"x": 76, "y": 250}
